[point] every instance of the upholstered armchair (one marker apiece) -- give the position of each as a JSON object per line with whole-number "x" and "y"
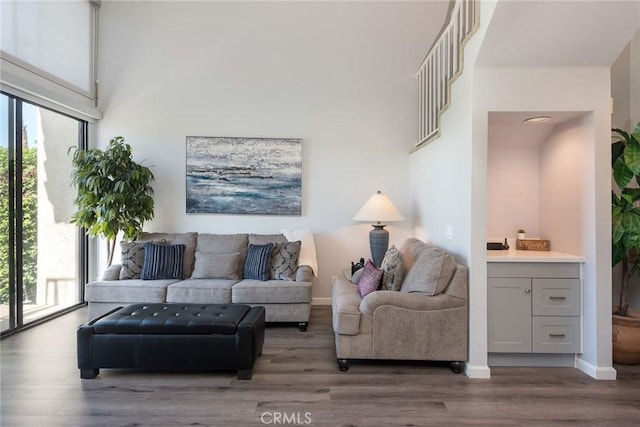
{"x": 425, "y": 320}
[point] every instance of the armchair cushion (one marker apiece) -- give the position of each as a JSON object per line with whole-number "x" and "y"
{"x": 429, "y": 268}
{"x": 408, "y": 301}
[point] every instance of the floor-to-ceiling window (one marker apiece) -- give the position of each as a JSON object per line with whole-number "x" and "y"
{"x": 42, "y": 255}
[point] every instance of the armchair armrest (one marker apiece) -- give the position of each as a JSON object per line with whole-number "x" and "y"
{"x": 304, "y": 273}
{"x": 410, "y": 301}
{"x": 112, "y": 272}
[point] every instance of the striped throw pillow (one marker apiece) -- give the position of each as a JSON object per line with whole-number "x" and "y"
{"x": 258, "y": 261}
{"x": 162, "y": 261}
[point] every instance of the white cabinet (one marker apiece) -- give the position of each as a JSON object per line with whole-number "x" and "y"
{"x": 534, "y": 307}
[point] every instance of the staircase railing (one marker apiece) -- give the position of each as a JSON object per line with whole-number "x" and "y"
{"x": 442, "y": 66}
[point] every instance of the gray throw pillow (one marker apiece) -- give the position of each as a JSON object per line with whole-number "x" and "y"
{"x": 430, "y": 273}
{"x": 284, "y": 261}
{"x": 216, "y": 266}
{"x": 392, "y": 270}
{"x": 132, "y": 258}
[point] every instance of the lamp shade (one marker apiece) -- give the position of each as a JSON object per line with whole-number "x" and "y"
{"x": 379, "y": 209}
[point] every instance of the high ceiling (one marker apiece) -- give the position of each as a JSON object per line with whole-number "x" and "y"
{"x": 558, "y": 33}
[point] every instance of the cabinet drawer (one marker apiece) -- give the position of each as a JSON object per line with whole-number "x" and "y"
{"x": 556, "y": 297}
{"x": 555, "y": 334}
{"x": 533, "y": 269}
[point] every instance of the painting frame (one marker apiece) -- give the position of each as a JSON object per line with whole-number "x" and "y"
{"x": 243, "y": 176}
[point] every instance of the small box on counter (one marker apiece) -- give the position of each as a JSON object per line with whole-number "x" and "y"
{"x": 533, "y": 245}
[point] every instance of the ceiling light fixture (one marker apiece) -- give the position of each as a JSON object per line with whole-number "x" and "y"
{"x": 536, "y": 120}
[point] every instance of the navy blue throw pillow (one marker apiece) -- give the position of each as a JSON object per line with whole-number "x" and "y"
{"x": 162, "y": 261}
{"x": 258, "y": 261}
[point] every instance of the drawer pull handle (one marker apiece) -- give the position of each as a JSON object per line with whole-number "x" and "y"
{"x": 557, "y": 335}
{"x": 557, "y": 298}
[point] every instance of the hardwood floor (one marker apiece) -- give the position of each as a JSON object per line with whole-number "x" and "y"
{"x": 297, "y": 382}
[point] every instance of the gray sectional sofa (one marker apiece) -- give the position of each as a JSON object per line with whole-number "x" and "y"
{"x": 212, "y": 274}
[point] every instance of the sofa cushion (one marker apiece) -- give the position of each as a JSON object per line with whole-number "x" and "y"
{"x": 270, "y": 291}
{"x": 128, "y": 291}
{"x": 187, "y": 239}
{"x": 428, "y": 268}
{"x": 263, "y": 239}
{"x": 206, "y": 291}
{"x": 370, "y": 279}
{"x": 225, "y": 244}
{"x": 216, "y": 266}
{"x": 112, "y": 272}
{"x": 284, "y": 262}
{"x": 162, "y": 261}
{"x": 258, "y": 261}
{"x": 392, "y": 270}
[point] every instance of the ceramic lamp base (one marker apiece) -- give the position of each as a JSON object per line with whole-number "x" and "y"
{"x": 379, "y": 243}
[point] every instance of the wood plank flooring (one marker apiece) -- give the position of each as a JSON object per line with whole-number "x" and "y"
{"x": 297, "y": 382}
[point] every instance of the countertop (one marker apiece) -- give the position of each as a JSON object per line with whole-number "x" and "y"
{"x": 513, "y": 255}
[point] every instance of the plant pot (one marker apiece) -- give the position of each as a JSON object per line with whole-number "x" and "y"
{"x": 626, "y": 338}
{"x": 522, "y": 236}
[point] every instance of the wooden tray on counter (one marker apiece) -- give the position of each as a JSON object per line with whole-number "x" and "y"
{"x": 533, "y": 245}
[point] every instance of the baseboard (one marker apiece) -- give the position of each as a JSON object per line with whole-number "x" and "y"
{"x": 477, "y": 371}
{"x": 321, "y": 301}
{"x": 599, "y": 373}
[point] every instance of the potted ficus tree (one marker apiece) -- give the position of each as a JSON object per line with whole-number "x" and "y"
{"x": 625, "y": 213}
{"x": 114, "y": 193}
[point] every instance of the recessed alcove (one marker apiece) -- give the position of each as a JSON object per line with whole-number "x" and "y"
{"x": 536, "y": 176}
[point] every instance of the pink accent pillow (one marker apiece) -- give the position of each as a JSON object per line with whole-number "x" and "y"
{"x": 370, "y": 280}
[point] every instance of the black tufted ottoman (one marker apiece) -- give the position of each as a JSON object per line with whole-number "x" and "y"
{"x": 173, "y": 336}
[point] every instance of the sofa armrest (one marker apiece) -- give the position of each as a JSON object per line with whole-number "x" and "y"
{"x": 304, "y": 273}
{"x": 410, "y": 301}
{"x": 112, "y": 272}
{"x": 345, "y": 306}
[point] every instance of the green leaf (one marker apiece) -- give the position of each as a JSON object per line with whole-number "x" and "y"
{"x": 621, "y": 173}
{"x": 617, "y": 148}
{"x": 633, "y": 192}
{"x": 636, "y": 133}
{"x": 632, "y": 157}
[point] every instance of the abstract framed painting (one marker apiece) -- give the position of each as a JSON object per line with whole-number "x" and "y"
{"x": 250, "y": 176}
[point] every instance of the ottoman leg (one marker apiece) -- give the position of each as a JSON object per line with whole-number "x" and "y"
{"x": 245, "y": 374}
{"x": 89, "y": 373}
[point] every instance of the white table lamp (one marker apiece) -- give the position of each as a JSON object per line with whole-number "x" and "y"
{"x": 378, "y": 209}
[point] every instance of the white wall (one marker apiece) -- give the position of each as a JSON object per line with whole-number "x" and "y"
{"x": 445, "y": 187}
{"x": 513, "y": 189}
{"x": 338, "y": 75}
{"x": 564, "y": 161}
